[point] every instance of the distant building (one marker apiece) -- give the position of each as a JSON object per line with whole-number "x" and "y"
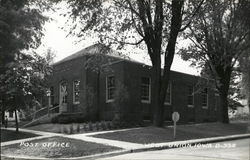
{"x": 123, "y": 86}
{"x": 243, "y": 110}
{"x": 11, "y": 115}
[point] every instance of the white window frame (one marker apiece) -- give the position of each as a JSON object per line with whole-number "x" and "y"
{"x": 189, "y": 105}
{"x": 170, "y": 90}
{"x": 107, "y": 90}
{"x": 74, "y": 100}
{"x": 149, "y": 90}
{"x": 205, "y": 107}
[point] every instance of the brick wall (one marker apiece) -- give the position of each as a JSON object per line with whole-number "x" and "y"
{"x": 93, "y": 92}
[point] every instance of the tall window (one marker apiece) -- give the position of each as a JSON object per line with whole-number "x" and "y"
{"x": 145, "y": 90}
{"x": 76, "y": 92}
{"x": 110, "y": 88}
{"x": 204, "y": 96}
{"x": 168, "y": 95}
{"x": 190, "y": 98}
{"x": 51, "y": 95}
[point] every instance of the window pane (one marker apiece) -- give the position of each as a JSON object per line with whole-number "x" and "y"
{"x": 76, "y": 97}
{"x": 145, "y": 89}
{"x": 204, "y": 97}
{"x": 110, "y": 87}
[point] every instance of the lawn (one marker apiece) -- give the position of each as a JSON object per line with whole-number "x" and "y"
{"x": 184, "y": 132}
{"x": 56, "y": 147}
{"x": 7, "y": 135}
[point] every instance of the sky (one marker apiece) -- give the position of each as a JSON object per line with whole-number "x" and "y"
{"x": 62, "y": 45}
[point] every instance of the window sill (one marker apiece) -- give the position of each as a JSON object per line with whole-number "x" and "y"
{"x": 204, "y": 107}
{"x": 110, "y": 101}
{"x": 190, "y": 106}
{"x": 76, "y": 102}
{"x": 167, "y": 103}
{"x": 144, "y": 101}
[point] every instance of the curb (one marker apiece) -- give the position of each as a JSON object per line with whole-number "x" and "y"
{"x": 180, "y": 144}
{"x": 161, "y": 146}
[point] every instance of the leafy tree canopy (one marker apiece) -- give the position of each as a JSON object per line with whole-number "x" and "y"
{"x": 21, "y": 30}
{"x": 220, "y": 36}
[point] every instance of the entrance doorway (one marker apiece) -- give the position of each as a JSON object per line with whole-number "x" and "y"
{"x": 63, "y": 97}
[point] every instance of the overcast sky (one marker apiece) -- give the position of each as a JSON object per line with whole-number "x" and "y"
{"x": 63, "y": 46}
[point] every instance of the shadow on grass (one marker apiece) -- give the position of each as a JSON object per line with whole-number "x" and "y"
{"x": 7, "y": 135}
{"x": 56, "y": 147}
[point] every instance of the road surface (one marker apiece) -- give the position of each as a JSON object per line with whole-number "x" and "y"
{"x": 227, "y": 150}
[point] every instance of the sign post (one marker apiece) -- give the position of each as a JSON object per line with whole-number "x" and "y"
{"x": 175, "y": 118}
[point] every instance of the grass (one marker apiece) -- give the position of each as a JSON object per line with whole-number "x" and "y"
{"x": 7, "y": 135}
{"x": 184, "y": 132}
{"x": 40, "y": 148}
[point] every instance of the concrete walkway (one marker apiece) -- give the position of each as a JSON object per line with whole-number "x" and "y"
{"x": 115, "y": 143}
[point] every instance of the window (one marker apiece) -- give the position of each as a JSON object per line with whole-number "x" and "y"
{"x": 145, "y": 90}
{"x": 76, "y": 92}
{"x": 168, "y": 95}
{"x": 51, "y": 95}
{"x": 204, "y": 95}
{"x": 110, "y": 88}
{"x": 190, "y": 98}
{"x": 10, "y": 114}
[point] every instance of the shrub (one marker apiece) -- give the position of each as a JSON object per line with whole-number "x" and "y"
{"x": 90, "y": 126}
{"x": 71, "y": 129}
{"x": 103, "y": 124}
{"x": 78, "y": 128}
{"x": 66, "y": 118}
{"x": 97, "y": 126}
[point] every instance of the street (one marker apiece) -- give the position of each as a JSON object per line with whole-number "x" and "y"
{"x": 227, "y": 150}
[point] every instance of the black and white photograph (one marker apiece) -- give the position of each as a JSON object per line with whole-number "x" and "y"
{"x": 125, "y": 79}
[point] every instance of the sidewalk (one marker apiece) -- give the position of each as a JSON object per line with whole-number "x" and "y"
{"x": 127, "y": 147}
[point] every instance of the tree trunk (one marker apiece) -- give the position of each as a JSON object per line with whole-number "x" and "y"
{"x": 156, "y": 99}
{"x": 17, "y": 129}
{"x": 224, "y": 108}
{"x": 98, "y": 97}
{"x": 223, "y": 88}
{"x": 3, "y": 115}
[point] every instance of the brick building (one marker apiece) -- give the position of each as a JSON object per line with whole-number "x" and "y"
{"x": 119, "y": 85}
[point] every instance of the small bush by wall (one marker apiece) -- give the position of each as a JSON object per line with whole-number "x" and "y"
{"x": 65, "y": 118}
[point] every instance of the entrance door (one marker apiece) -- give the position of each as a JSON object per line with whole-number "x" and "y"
{"x": 63, "y": 97}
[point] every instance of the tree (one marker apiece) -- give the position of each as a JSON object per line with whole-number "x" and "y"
{"x": 244, "y": 66}
{"x": 21, "y": 26}
{"x": 151, "y": 23}
{"x": 26, "y": 80}
{"x": 219, "y": 37}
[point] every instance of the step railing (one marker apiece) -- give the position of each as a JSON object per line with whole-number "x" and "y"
{"x": 42, "y": 112}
